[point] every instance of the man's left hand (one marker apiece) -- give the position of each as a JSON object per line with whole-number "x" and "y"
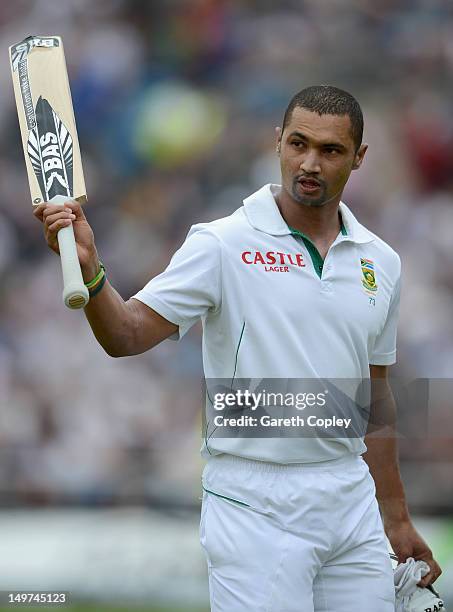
{"x": 407, "y": 542}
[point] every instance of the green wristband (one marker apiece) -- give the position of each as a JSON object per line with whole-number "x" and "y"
{"x": 96, "y": 290}
{"x": 97, "y": 278}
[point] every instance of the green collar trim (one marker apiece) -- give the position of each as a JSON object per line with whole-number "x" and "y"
{"x": 316, "y": 258}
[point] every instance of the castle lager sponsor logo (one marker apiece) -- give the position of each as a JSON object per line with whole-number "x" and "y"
{"x": 273, "y": 261}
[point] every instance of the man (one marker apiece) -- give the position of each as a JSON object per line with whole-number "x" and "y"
{"x": 290, "y": 286}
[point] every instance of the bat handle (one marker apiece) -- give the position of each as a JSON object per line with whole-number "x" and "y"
{"x": 75, "y": 294}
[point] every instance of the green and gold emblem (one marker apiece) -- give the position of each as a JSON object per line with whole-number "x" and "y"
{"x": 368, "y": 276}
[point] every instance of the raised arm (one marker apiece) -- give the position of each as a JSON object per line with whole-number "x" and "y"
{"x": 122, "y": 328}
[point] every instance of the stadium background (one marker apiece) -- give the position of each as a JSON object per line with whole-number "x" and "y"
{"x": 176, "y": 104}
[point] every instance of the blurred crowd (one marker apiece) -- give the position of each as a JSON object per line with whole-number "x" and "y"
{"x": 176, "y": 103}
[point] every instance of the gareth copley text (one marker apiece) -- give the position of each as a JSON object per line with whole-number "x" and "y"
{"x": 268, "y": 421}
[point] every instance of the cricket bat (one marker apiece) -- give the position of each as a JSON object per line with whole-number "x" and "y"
{"x": 51, "y": 146}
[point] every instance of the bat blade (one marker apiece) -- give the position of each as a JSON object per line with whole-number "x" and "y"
{"x": 46, "y": 119}
{"x": 50, "y": 151}
{"x": 50, "y": 143}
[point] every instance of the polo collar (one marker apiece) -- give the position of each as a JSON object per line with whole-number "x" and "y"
{"x": 264, "y": 215}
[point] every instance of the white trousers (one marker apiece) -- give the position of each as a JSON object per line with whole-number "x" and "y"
{"x": 294, "y": 538}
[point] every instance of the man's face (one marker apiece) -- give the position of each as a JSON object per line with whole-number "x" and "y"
{"x": 317, "y": 155}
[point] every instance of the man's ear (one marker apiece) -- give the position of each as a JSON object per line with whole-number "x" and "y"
{"x": 278, "y": 134}
{"x": 358, "y": 159}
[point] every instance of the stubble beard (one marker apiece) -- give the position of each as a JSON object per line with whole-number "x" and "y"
{"x": 307, "y": 200}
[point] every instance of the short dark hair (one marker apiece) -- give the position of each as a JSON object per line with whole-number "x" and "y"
{"x": 328, "y": 100}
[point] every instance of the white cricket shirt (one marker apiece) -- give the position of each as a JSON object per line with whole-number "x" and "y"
{"x": 271, "y": 308}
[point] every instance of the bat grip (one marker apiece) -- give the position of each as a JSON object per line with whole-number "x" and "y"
{"x": 75, "y": 294}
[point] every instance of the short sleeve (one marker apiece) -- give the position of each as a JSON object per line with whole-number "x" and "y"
{"x": 384, "y": 351}
{"x": 190, "y": 286}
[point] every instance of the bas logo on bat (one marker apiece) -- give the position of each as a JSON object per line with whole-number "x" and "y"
{"x": 50, "y": 151}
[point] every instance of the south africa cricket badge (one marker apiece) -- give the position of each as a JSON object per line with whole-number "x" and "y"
{"x": 368, "y": 275}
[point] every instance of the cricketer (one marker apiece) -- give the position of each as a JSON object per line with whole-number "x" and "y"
{"x": 291, "y": 285}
